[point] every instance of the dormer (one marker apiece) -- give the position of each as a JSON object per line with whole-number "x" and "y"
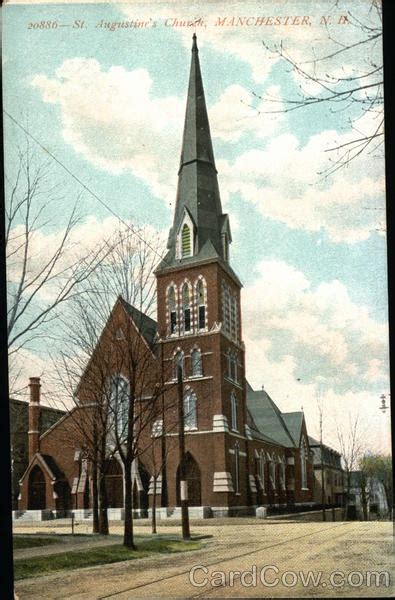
{"x": 185, "y": 245}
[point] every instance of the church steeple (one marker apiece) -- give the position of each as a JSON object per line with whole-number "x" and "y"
{"x": 196, "y": 142}
{"x": 200, "y": 230}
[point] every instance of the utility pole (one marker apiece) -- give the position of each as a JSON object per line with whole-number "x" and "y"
{"x": 322, "y": 470}
{"x": 181, "y": 446}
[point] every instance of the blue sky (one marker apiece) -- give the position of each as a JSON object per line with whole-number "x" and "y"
{"x": 84, "y": 94}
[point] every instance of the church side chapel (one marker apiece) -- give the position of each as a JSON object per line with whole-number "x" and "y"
{"x": 242, "y": 452}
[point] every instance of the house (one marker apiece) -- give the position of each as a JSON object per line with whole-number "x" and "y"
{"x": 327, "y": 465}
{"x": 241, "y": 450}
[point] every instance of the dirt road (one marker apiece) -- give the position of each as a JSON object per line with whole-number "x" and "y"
{"x": 273, "y": 559}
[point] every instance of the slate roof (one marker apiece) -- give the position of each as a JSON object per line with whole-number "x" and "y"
{"x": 331, "y": 456}
{"x": 273, "y": 425}
{"x": 50, "y": 461}
{"x": 294, "y": 421}
{"x": 145, "y": 325}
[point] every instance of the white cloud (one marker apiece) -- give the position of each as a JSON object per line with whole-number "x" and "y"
{"x": 303, "y": 342}
{"x": 113, "y": 120}
{"x": 322, "y": 329}
{"x": 282, "y": 182}
{"x": 237, "y": 112}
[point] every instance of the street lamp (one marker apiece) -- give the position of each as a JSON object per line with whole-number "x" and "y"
{"x": 383, "y": 406}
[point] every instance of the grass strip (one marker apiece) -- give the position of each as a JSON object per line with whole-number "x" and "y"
{"x": 89, "y": 557}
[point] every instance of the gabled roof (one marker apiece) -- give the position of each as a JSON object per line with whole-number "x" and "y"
{"x": 294, "y": 422}
{"x": 271, "y": 422}
{"x": 49, "y": 465}
{"x": 146, "y": 326}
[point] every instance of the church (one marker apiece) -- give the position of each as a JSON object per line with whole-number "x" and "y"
{"x": 242, "y": 452}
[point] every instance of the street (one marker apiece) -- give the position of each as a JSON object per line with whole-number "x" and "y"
{"x": 243, "y": 559}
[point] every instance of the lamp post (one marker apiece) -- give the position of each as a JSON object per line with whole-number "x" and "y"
{"x": 321, "y": 382}
{"x": 384, "y": 406}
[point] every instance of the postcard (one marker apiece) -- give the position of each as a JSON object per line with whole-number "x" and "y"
{"x": 197, "y": 299}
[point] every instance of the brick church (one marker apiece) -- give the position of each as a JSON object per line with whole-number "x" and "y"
{"x": 242, "y": 452}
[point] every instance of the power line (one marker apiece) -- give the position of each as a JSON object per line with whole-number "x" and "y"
{"x": 82, "y": 184}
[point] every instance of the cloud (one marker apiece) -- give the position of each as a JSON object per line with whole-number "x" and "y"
{"x": 282, "y": 182}
{"x": 237, "y": 113}
{"x": 304, "y": 342}
{"x": 322, "y": 328}
{"x": 112, "y": 118}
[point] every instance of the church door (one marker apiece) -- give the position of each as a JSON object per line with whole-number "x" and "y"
{"x": 114, "y": 484}
{"x": 36, "y": 499}
{"x": 194, "y": 482}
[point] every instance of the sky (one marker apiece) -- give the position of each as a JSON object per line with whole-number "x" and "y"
{"x": 109, "y": 101}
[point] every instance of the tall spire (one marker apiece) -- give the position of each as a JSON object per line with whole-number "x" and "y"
{"x": 198, "y": 201}
{"x": 196, "y": 142}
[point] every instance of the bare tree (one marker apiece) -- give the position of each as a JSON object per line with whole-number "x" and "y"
{"x": 351, "y": 446}
{"x": 324, "y": 80}
{"x": 39, "y": 279}
{"x": 115, "y": 347}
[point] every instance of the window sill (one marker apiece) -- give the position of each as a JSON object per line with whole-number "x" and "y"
{"x": 304, "y": 489}
{"x": 235, "y": 430}
{"x": 186, "y": 429}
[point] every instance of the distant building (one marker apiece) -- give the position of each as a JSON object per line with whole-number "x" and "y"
{"x": 368, "y": 490}
{"x": 19, "y": 422}
{"x": 333, "y": 473}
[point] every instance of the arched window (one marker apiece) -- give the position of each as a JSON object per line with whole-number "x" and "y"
{"x": 282, "y": 473}
{"x": 262, "y": 469}
{"x": 232, "y": 365}
{"x": 303, "y": 470}
{"x": 190, "y": 410}
{"x": 226, "y": 308}
{"x": 237, "y": 469}
{"x": 171, "y": 299}
{"x": 186, "y": 310}
{"x": 178, "y": 362}
{"x": 233, "y": 317}
{"x": 119, "y": 403}
{"x": 233, "y": 401}
{"x": 185, "y": 241}
{"x": 201, "y": 305}
{"x": 272, "y": 471}
{"x": 196, "y": 360}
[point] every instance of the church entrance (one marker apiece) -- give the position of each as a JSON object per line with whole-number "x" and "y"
{"x": 36, "y": 493}
{"x": 194, "y": 482}
{"x": 63, "y": 501}
{"x": 140, "y": 497}
{"x": 114, "y": 484}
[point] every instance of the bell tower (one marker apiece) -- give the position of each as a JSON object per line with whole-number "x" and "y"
{"x": 199, "y": 318}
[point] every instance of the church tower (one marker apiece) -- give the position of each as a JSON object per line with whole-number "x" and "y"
{"x": 199, "y": 321}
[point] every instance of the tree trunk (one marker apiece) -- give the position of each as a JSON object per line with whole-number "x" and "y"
{"x": 128, "y": 539}
{"x": 154, "y": 507}
{"x": 95, "y": 498}
{"x": 364, "y": 502}
{"x": 103, "y": 517}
